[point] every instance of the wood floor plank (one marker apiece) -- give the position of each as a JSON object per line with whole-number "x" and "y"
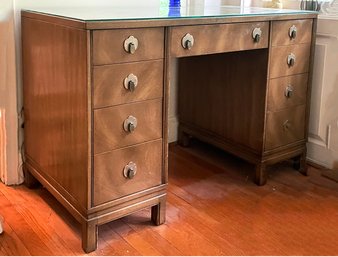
{"x": 213, "y": 208}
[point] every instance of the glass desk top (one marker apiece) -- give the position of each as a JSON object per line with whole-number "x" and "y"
{"x": 92, "y": 14}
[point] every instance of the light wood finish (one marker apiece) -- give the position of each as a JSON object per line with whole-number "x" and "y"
{"x": 198, "y": 82}
{"x": 209, "y": 196}
{"x": 109, "y": 86}
{"x": 109, "y": 133}
{"x": 109, "y": 180}
{"x": 277, "y": 98}
{"x": 210, "y": 39}
{"x": 108, "y": 45}
{"x": 279, "y": 133}
{"x": 280, "y": 32}
{"x": 55, "y": 102}
{"x": 68, "y": 131}
{"x": 279, "y": 56}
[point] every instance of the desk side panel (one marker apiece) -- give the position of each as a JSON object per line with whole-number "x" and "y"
{"x": 55, "y": 106}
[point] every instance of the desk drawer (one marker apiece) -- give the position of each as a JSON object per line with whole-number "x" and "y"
{"x": 111, "y": 82}
{"x": 279, "y": 60}
{"x": 288, "y": 91}
{"x": 209, "y": 39}
{"x": 111, "y": 125}
{"x": 109, "y": 45}
{"x": 285, "y": 127}
{"x": 282, "y": 32}
{"x": 111, "y": 179}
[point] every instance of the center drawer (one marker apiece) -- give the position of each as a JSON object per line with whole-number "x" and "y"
{"x": 112, "y": 127}
{"x": 210, "y": 39}
{"x": 113, "y": 177}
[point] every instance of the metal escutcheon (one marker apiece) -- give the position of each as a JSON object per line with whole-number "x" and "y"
{"x": 130, "y": 44}
{"x": 188, "y": 41}
{"x": 288, "y": 91}
{"x": 130, "y": 124}
{"x": 130, "y": 170}
{"x": 130, "y": 82}
{"x": 293, "y": 32}
{"x": 286, "y": 125}
{"x": 257, "y": 34}
{"x": 291, "y": 59}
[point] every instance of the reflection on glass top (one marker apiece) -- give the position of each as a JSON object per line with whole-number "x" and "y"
{"x": 146, "y": 13}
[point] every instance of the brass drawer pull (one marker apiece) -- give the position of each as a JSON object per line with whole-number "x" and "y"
{"x": 291, "y": 60}
{"x": 293, "y": 32}
{"x": 130, "y": 170}
{"x": 130, "y": 124}
{"x": 188, "y": 41}
{"x": 130, "y": 82}
{"x": 131, "y": 44}
{"x": 257, "y": 34}
{"x": 286, "y": 125}
{"x": 288, "y": 91}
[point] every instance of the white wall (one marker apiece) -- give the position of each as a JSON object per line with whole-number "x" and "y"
{"x": 9, "y": 159}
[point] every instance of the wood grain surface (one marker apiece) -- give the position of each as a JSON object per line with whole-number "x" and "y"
{"x": 108, "y": 45}
{"x": 277, "y": 99}
{"x": 109, "y": 87}
{"x": 109, "y": 133}
{"x": 277, "y": 134}
{"x": 279, "y": 56}
{"x": 213, "y": 208}
{"x": 109, "y": 181}
{"x": 210, "y": 39}
{"x": 280, "y": 32}
{"x": 55, "y": 105}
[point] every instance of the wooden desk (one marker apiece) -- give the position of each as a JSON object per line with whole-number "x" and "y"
{"x": 96, "y": 100}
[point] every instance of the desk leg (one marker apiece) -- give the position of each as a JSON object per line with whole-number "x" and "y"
{"x": 299, "y": 163}
{"x": 260, "y": 174}
{"x": 89, "y": 236}
{"x": 158, "y": 212}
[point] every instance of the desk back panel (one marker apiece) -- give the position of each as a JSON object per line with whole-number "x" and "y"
{"x": 225, "y": 94}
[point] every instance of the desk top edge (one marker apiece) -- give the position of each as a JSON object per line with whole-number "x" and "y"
{"x": 163, "y": 22}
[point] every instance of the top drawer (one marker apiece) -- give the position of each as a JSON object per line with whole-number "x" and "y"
{"x": 210, "y": 39}
{"x": 127, "y": 45}
{"x": 291, "y": 32}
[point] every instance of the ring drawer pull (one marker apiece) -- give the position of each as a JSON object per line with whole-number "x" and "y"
{"x": 293, "y": 32}
{"x": 130, "y": 124}
{"x": 131, "y": 44}
{"x": 286, "y": 125}
{"x": 130, "y": 170}
{"x": 291, "y": 60}
{"x": 288, "y": 91}
{"x": 130, "y": 82}
{"x": 257, "y": 34}
{"x": 188, "y": 41}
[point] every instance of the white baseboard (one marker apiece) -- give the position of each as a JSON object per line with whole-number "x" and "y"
{"x": 172, "y": 125}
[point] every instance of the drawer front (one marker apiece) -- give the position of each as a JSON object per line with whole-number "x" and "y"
{"x": 209, "y": 39}
{"x": 112, "y": 177}
{"x": 288, "y": 91}
{"x": 111, "y": 83}
{"x": 109, "y": 45}
{"x": 279, "y": 60}
{"x": 109, "y": 128}
{"x": 282, "y": 32}
{"x": 285, "y": 127}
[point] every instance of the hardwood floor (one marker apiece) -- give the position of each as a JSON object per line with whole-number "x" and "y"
{"x": 213, "y": 208}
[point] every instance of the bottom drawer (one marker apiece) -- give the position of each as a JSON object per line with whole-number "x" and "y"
{"x": 112, "y": 177}
{"x": 285, "y": 127}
